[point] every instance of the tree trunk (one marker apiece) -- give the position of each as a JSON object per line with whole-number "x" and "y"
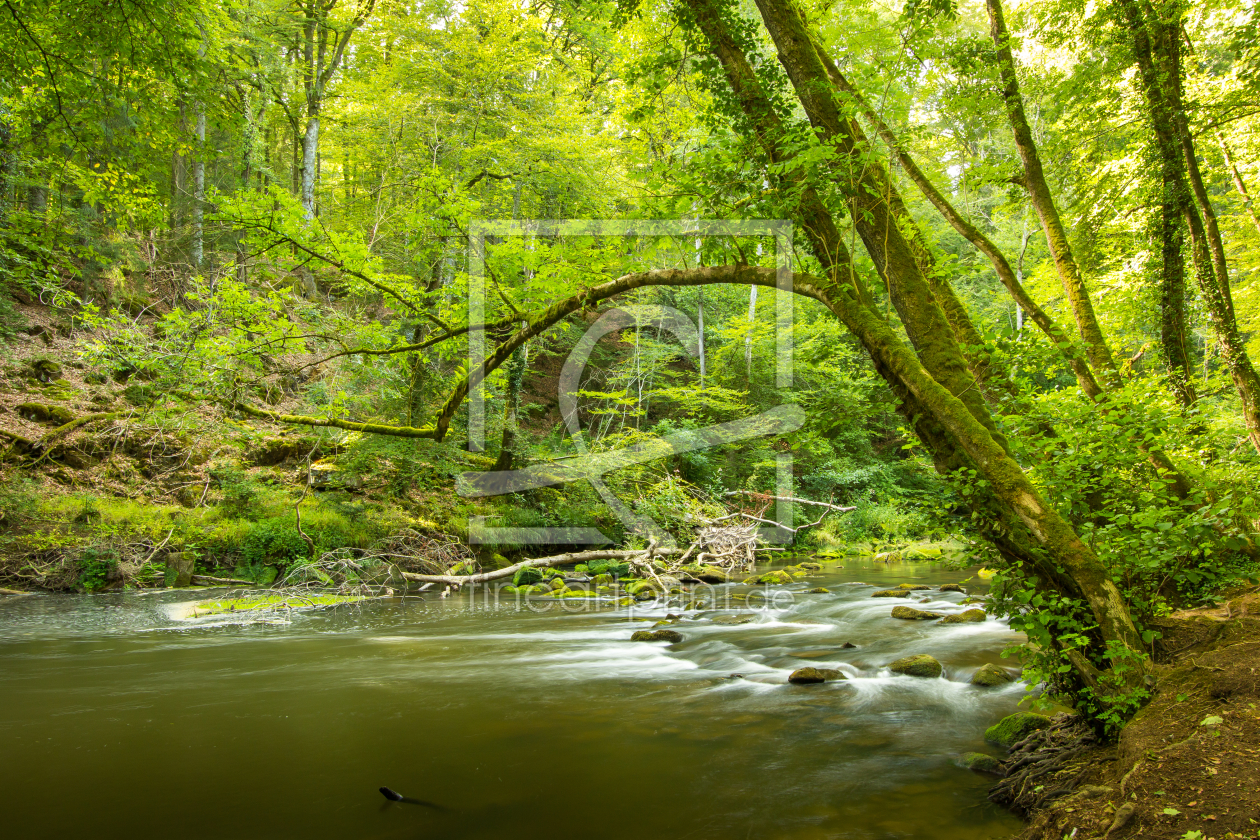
{"x": 940, "y": 406}
{"x": 1160, "y": 80}
{"x": 1173, "y": 294}
{"x": 933, "y": 316}
{"x": 1238, "y": 183}
{"x": 1043, "y": 202}
{"x": 199, "y": 189}
{"x": 310, "y": 143}
{"x": 1008, "y": 277}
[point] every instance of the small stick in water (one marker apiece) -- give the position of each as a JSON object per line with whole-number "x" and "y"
{"x": 394, "y": 796}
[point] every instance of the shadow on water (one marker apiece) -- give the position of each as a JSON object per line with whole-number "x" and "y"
{"x": 523, "y": 724}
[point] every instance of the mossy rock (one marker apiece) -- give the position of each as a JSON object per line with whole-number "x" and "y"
{"x": 557, "y": 584}
{"x": 1012, "y": 729}
{"x": 35, "y": 412}
{"x": 809, "y": 567}
{"x": 602, "y": 579}
{"x": 982, "y": 763}
{"x": 919, "y": 665}
{"x": 643, "y": 589}
{"x": 911, "y": 614}
{"x": 777, "y": 577}
{"x": 810, "y": 676}
{"x": 954, "y": 587}
{"x": 743, "y": 618}
{"x": 39, "y": 413}
{"x": 656, "y": 636}
{"x": 95, "y": 377}
{"x": 990, "y": 676}
{"x": 527, "y": 575}
{"x": 891, "y": 593}
{"x": 703, "y": 573}
{"x": 912, "y": 587}
{"x": 965, "y": 617}
{"x": 819, "y": 590}
{"x": 44, "y": 368}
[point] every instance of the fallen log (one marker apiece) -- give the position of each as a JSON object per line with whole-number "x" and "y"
{"x": 540, "y": 562}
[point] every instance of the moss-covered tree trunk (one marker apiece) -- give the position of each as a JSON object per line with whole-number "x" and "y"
{"x": 1043, "y": 202}
{"x": 1156, "y": 53}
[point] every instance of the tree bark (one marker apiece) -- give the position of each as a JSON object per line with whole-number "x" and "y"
{"x": 1156, "y": 55}
{"x": 1006, "y": 275}
{"x": 1099, "y": 353}
{"x": 1238, "y": 183}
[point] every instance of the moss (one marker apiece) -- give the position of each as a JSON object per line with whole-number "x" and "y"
{"x": 982, "y": 763}
{"x": 779, "y": 577}
{"x": 526, "y": 576}
{"x": 911, "y": 614}
{"x": 919, "y": 665}
{"x": 656, "y": 636}
{"x": 1012, "y": 729}
{"x": 965, "y": 617}
{"x": 806, "y": 676}
{"x": 990, "y": 676}
{"x": 891, "y": 593}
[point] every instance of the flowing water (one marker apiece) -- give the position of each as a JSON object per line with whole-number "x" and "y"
{"x": 122, "y": 718}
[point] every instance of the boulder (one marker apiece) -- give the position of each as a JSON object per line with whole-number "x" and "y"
{"x": 656, "y": 636}
{"x": 991, "y": 675}
{"x": 965, "y": 617}
{"x": 703, "y": 573}
{"x": 527, "y": 575}
{"x": 954, "y": 587}
{"x": 1012, "y": 729}
{"x": 891, "y": 593}
{"x": 848, "y": 645}
{"x": 911, "y": 614}
{"x": 643, "y": 590}
{"x": 920, "y": 665}
{"x": 913, "y": 587}
{"x": 819, "y": 590}
{"x": 776, "y": 577}
{"x": 807, "y": 676}
{"x": 743, "y": 618}
{"x": 982, "y": 763}
{"x": 44, "y": 368}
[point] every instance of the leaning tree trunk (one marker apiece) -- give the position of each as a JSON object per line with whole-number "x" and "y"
{"x": 958, "y": 419}
{"x": 1043, "y": 202}
{"x": 1008, "y": 277}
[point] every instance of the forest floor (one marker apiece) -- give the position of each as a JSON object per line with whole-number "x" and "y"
{"x": 1188, "y": 765}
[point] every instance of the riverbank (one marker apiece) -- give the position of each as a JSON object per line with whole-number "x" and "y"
{"x": 1187, "y": 767}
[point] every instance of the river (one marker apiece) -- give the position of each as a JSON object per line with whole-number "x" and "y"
{"x": 122, "y": 718}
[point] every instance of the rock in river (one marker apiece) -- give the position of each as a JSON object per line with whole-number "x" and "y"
{"x": 982, "y": 763}
{"x": 991, "y": 675}
{"x": 742, "y": 618}
{"x": 955, "y": 587}
{"x": 920, "y": 665}
{"x": 1012, "y": 729}
{"x": 656, "y": 636}
{"x": 806, "y": 676}
{"x": 891, "y": 593}
{"x": 965, "y": 617}
{"x": 912, "y": 587}
{"x": 911, "y": 614}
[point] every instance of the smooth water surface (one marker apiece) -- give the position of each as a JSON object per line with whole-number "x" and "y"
{"x": 119, "y": 719}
